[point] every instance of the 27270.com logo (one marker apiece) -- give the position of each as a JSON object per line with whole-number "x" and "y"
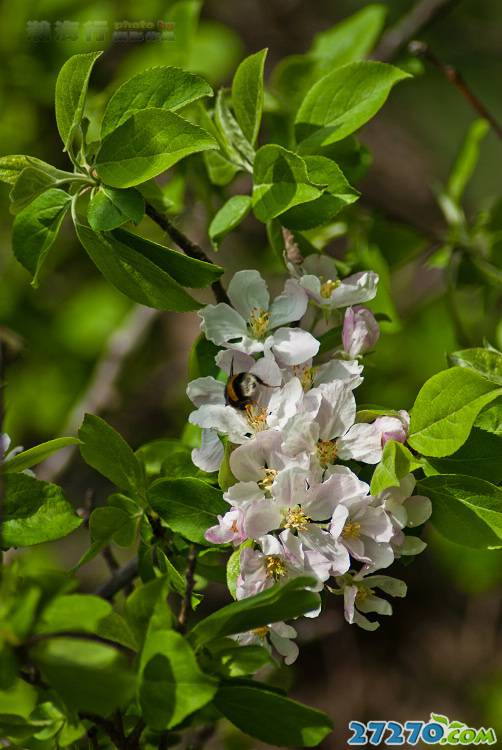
{"x": 438, "y": 731}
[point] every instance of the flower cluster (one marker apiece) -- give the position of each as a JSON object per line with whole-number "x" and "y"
{"x": 298, "y": 505}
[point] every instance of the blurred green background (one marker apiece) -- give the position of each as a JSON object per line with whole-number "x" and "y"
{"x": 441, "y": 650}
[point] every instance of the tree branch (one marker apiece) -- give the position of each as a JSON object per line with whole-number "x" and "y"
{"x": 122, "y": 578}
{"x": 185, "y": 243}
{"x": 417, "y": 20}
{"x": 420, "y": 49}
{"x": 186, "y": 604}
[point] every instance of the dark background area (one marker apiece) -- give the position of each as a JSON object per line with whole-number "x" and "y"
{"x": 441, "y": 650}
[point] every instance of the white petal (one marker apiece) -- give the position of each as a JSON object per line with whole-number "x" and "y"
{"x": 267, "y": 370}
{"x": 284, "y": 403}
{"x": 285, "y": 647}
{"x": 293, "y": 346}
{"x": 349, "y": 599}
{"x": 391, "y": 586}
{"x": 312, "y": 285}
{"x": 360, "y": 287}
{"x": 337, "y": 410}
{"x": 338, "y": 521}
{"x": 290, "y": 487}
{"x": 247, "y": 291}
{"x": 290, "y": 306}
{"x": 261, "y": 517}
{"x": 320, "y": 265}
{"x": 362, "y": 443}
{"x": 345, "y": 485}
{"x": 419, "y": 509}
{"x": 380, "y": 554}
{"x": 347, "y": 370}
{"x": 300, "y": 435}
{"x": 206, "y": 390}
{"x": 375, "y": 604}
{"x": 233, "y": 361}
{"x": 210, "y": 454}
{"x": 224, "y": 419}
{"x": 222, "y": 324}
{"x": 412, "y": 545}
{"x": 243, "y": 492}
{"x": 376, "y": 524}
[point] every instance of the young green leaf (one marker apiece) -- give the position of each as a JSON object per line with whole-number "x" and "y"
{"x": 232, "y": 140}
{"x": 33, "y": 456}
{"x": 271, "y": 717}
{"x": 343, "y": 101}
{"x": 445, "y": 410}
{"x": 338, "y": 194}
{"x": 171, "y": 685}
{"x": 146, "y": 608}
{"x": 12, "y": 166}
{"x": 281, "y": 602}
{"x": 132, "y": 273}
{"x": 202, "y": 359}
{"x": 30, "y": 183}
{"x": 186, "y": 271}
{"x": 234, "y": 567}
{"x": 350, "y": 40}
{"x": 228, "y": 218}
{"x": 162, "y": 87}
{"x": 467, "y": 160}
{"x": 486, "y": 362}
{"x": 188, "y": 506}
{"x": 280, "y": 182}
{"x": 247, "y": 94}
{"x": 396, "y": 463}
{"x": 146, "y": 144}
{"x": 479, "y": 457}
{"x": 466, "y": 510}
{"x": 490, "y": 419}
{"x": 71, "y": 91}
{"x": 106, "y": 451}
{"x": 35, "y": 512}
{"x": 109, "y": 208}
{"x": 221, "y": 170}
{"x": 36, "y": 227}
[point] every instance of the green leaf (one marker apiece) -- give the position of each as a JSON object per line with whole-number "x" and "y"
{"x": 188, "y": 506}
{"x": 161, "y": 87}
{"x": 12, "y": 166}
{"x": 132, "y": 273}
{"x": 30, "y": 183}
{"x": 33, "y": 456}
{"x": 343, "y": 101}
{"x": 247, "y": 94}
{"x": 171, "y": 684}
{"x": 186, "y": 271}
{"x": 71, "y": 91}
{"x": 350, "y": 40}
{"x": 280, "y": 602}
{"x": 228, "y": 218}
{"x": 337, "y": 195}
{"x": 465, "y": 510}
{"x": 106, "y": 451}
{"x": 479, "y": 457}
{"x": 109, "y": 208}
{"x": 232, "y": 140}
{"x": 92, "y": 677}
{"x": 234, "y": 567}
{"x": 486, "y": 362}
{"x": 221, "y": 171}
{"x": 445, "y": 410}
{"x": 280, "y": 182}
{"x": 202, "y": 359}
{"x": 270, "y": 717}
{"x": 36, "y": 227}
{"x": 146, "y": 144}
{"x": 396, "y": 463}
{"x": 467, "y": 159}
{"x": 35, "y": 512}
{"x": 225, "y": 476}
{"x": 146, "y": 608}
{"x": 490, "y": 419}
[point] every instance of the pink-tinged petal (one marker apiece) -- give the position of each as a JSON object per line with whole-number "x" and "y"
{"x": 293, "y": 346}
{"x": 356, "y": 549}
{"x": 376, "y": 524}
{"x": 206, "y": 390}
{"x": 285, "y": 647}
{"x": 349, "y": 601}
{"x": 232, "y": 360}
{"x": 380, "y": 554}
{"x": 289, "y": 306}
{"x": 347, "y": 371}
{"x": 267, "y": 370}
{"x": 360, "y": 331}
{"x": 248, "y": 291}
{"x": 391, "y": 428}
{"x": 300, "y": 435}
{"x": 210, "y": 454}
{"x": 242, "y": 493}
{"x": 346, "y": 486}
{"x": 337, "y": 410}
{"x": 322, "y": 542}
{"x": 360, "y": 287}
{"x": 284, "y": 403}
{"x": 229, "y": 529}
{"x": 312, "y": 286}
{"x": 249, "y": 461}
{"x": 261, "y": 517}
{"x": 418, "y": 509}
{"x": 290, "y": 487}
{"x": 361, "y": 443}
{"x": 271, "y": 545}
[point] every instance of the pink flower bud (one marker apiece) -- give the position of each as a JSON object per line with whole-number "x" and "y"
{"x": 360, "y": 330}
{"x": 393, "y": 428}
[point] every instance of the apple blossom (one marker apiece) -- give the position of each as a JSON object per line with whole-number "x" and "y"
{"x": 360, "y": 331}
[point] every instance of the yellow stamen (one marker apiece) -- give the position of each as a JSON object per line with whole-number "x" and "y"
{"x": 351, "y": 530}
{"x": 261, "y": 632}
{"x": 328, "y": 287}
{"x": 257, "y": 417}
{"x": 268, "y": 480}
{"x": 234, "y": 528}
{"x": 259, "y": 320}
{"x": 362, "y": 594}
{"x": 305, "y": 375}
{"x": 275, "y": 566}
{"x": 326, "y": 452}
{"x": 296, "y": 519}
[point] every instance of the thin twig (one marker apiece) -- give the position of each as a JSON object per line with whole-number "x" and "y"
{"x": 107, "y": 726}
{"x": 103, "y": 381}
{"x": 110, "y": 559}
{"x": 92, "y": 734}
{"x": 189, "y": 247}
{"x": 186, "y": 604}
{"x": 122, "y": 578}
{"x": 37, "y": 638}
{"x": 132, "y": 742}
{"x": 417, "y": 20}
{"x": 420, "y": 49}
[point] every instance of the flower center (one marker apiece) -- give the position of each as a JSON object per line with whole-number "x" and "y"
{"x": 328, "y": 287}
{"x": 305, "y": 375}
{"x": 351, "y": 530}
{"x": 326, "y": 452}
{"x": 275, "y": 567}
{"x": 259, "y": 320}
{"x": 362, "y": 594}
{"x": 268, "y": 480}
{"x": 257, "y": 417}
{"x": 296, "y": 519}
{"x": 234, "y": 527}
{"x": 261, "y": 632}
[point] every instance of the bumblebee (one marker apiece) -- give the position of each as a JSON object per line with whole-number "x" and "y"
{"x": 240, "y": 389}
